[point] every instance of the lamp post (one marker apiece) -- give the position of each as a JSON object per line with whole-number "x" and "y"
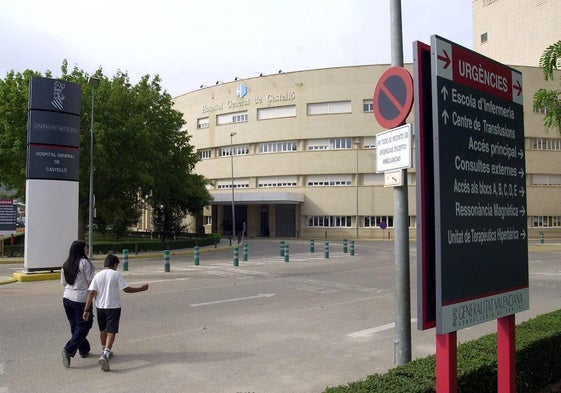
{"x": 357, "y": 144}
{"x": 93, "y": 81}
{"x": 232, "y": 167}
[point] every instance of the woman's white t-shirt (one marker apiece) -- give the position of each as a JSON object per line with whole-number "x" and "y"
{"x": 108, "y": 284}
{"x": 79, "y": 291}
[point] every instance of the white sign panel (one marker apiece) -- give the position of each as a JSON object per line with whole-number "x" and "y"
{"x": 393, "y": 149}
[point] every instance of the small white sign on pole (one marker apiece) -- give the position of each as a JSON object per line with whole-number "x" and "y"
{"x": 393, "y": 178}
{"x": 393, "y": 149}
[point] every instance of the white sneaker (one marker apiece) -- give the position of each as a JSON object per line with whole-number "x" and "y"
{"x": 103, "y": 350}
{"x": 104, "y": 362}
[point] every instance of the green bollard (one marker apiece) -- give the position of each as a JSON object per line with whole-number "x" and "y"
{"x": 541, "y": 238}
{"x": 326, "y": 250}
{"x": 166, "y": 260}
{"x": 312, "y": 245}
{"x": 282, "y": 248}
{"x": 125, "y": 260}
{"x": 345, "y": 246}
{"x": 352, "y": 248}
{"x": 286, "y": 253}
{"x": 236, "y": 259}
{"x": 196, "y": 255}
{"x": 244, "y": 252}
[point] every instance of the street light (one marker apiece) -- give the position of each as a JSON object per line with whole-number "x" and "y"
{"x": 232, "y": 165}
{"x": 93, "y": 81}
{"x": 357, "y": 144}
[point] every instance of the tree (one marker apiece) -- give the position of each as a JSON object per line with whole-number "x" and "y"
{"x": 14, "y": 92}
{"x": 139, "y": 147}
{"x": 550, "y": 100}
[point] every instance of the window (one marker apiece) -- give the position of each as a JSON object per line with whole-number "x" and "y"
{"x": 545, "y": 221}
{"x": 330, "y": 144}
{"x": 277, "y": 147}
{"x": 276, "y": 112}
{"x": 279, "y": 181}
{"x": 208, "y": 220}
{"x": 205, "y": 154}
{"x": 341, "y": 143}
{"x": 202, "y": 122}
{"x": 483, "y": 38}
{"x": 367, "y": 106}
{"x": 329, "y": 180}
{"x": 227, "y": 183}
{"x": 542, "y": 110}
{"x": 324, "y": 108}
{"x": 546, "y": 143}
{"x": 546, "y": 180}
{"x": 369, "y": 142}
{"x": 329, "y": 221}
{"x": 375, "y": 221}
{"x": 229, "y": 118}
{"x": 241, "y": 150}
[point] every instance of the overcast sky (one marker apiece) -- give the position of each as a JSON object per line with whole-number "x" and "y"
{"x": 193, "y": 42}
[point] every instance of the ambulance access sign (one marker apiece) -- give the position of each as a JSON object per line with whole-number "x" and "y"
{"x": 481, "y": 249}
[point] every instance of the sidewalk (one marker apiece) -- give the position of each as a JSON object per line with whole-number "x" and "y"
{"x": 11, "y": 268}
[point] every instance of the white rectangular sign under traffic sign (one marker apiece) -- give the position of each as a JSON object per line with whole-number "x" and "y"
{"x": 393, "y": 149}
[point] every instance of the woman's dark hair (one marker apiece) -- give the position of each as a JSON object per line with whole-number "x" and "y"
{"x": 72, "y": 264}
{"x": 111, "y": 260}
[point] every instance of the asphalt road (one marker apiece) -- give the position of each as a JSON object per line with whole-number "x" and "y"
{"x": 266, "y": 326}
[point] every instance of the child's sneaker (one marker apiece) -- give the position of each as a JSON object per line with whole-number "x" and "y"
{"x": 104, "y": 362}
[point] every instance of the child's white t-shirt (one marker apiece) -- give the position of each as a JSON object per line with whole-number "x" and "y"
{"x": 108, "y": 284}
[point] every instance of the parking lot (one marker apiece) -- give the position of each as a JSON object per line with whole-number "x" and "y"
{"x": 267, "y": 325}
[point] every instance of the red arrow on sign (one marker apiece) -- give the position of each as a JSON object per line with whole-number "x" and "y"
{"x": 517, "y": 87}
{"x": 445, "y": 59}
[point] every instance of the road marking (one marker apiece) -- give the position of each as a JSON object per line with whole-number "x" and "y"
{"x": 233, "y": 300}
{"x": 378, "y": 329}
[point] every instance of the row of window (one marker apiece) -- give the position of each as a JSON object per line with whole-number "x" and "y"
{"x": 545, "y": 221}
{"x": 379, "y": 221}
{"x": 290, "y": 146}
{"x": 546, "y": 143}
{"x": 340, "y": 144}
{"x": 312, "y": 109}
{"x": 345, "y": 221}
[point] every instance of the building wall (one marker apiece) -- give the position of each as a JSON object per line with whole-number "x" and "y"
{"x": 354, "y": 86}
{"x": 515, "y": 31}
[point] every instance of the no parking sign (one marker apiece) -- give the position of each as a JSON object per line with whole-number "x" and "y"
{"x": 393, "y": 97}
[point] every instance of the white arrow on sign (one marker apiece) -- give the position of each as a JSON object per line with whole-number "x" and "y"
{"x": 233, "y": 300}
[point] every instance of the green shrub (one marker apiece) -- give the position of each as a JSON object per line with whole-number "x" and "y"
{"x": 146, "y": 245}
{"x": 538, "y": 364}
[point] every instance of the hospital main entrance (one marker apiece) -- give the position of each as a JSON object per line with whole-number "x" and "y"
{"x": 256, "y": 220}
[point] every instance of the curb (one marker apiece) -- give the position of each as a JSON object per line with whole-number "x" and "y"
{"x": 8, "y": 281}
{"x": 28, "y": 277}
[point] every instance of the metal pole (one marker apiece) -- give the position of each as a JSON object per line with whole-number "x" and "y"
{"x": 357, "y": 144}
{"x": 93, "y": 82}
{"x": 402, "y": 340}
{"x": 233, "y": 204}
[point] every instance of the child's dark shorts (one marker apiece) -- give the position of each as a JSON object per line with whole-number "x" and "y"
{"x": 108, "y": 319}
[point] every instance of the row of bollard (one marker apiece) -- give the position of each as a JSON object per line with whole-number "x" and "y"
{"x": 284, "y": 252}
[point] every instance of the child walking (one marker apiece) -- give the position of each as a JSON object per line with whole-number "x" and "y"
{"x": 105, "y": 288}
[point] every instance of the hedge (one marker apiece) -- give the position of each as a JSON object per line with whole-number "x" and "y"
{"x": 538, "y": 364}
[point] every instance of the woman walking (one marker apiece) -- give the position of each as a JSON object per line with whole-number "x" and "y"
{"x": 76, "y": 275}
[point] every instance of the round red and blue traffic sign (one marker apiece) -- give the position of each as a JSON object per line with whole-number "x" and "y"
{"x": 393, "y": 97}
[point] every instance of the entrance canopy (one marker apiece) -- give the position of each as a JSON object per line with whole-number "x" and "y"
{"x": 224, "y": 198}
